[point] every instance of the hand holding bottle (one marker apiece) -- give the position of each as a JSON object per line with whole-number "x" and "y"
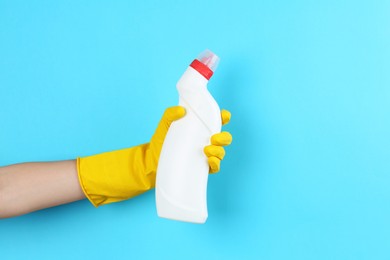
{"x": 122, "y": 174}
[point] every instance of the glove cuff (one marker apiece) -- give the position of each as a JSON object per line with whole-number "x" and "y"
{"x": 117, "y": 175}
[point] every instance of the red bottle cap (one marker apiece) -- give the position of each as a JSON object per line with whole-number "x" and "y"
{"x": 206, "y": 63}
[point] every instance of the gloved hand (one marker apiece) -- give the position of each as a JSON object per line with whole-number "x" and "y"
{"x": 122, "y": 174}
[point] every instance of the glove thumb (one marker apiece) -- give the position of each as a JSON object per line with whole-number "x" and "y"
{"x": 171, "y": 114}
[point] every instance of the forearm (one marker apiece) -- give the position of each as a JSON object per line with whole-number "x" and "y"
{"x": 29, "y": 187}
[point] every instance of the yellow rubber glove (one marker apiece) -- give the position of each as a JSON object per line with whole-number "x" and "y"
{"x": 122, "y": 174}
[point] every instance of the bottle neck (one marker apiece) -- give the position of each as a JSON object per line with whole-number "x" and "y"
{"x": 192, "y": 80}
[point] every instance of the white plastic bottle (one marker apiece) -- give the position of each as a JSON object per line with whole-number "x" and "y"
{"x": 182, "y": 173}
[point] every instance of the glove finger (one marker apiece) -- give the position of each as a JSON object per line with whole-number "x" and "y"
{"x": 214, "y": 164}
{"x": 222, "y": 139}
{"x": 225, "y": 116}
{"x": 214, "y": 150}
{"x": 171, "y": 114}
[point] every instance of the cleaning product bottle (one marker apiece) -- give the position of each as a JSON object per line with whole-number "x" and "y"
{"x": 182, "y": 171}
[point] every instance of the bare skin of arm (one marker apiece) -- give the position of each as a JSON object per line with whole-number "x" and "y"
{"x": 28, "y": 187}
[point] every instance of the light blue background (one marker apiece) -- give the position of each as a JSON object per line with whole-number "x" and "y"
{"x": 308, "y": 85}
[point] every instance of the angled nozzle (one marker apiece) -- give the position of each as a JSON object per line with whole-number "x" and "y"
{"x": 209, "y": 59}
